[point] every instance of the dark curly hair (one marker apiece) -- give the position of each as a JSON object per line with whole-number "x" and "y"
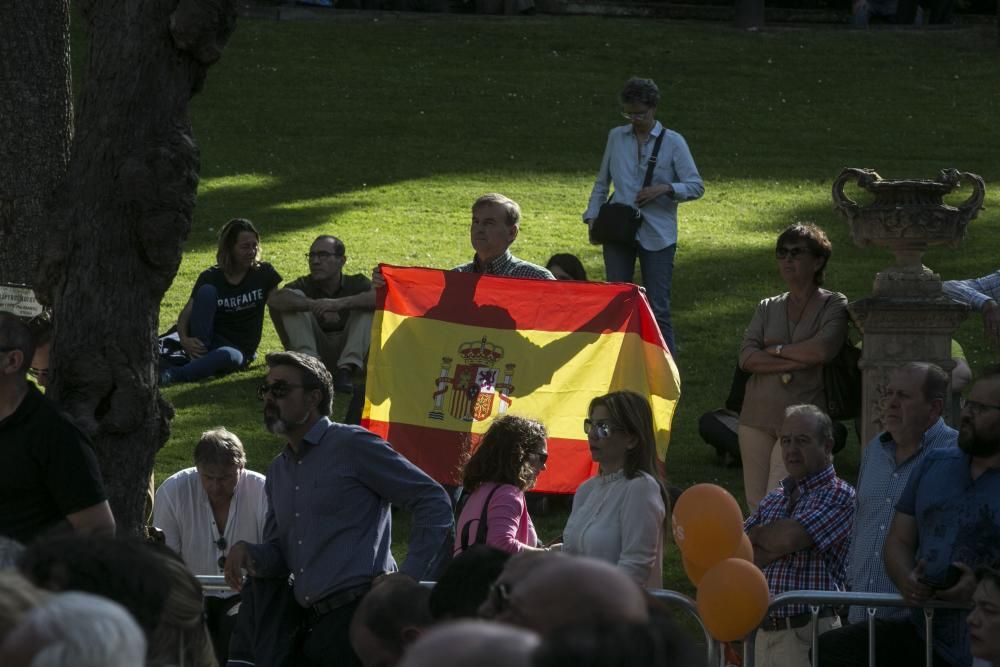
{"x": 502, "y": 454}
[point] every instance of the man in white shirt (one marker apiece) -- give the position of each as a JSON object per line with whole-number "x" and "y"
{"x": 204, "y": 510}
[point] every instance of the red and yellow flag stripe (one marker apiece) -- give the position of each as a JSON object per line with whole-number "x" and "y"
{"x": 451, "y": 351}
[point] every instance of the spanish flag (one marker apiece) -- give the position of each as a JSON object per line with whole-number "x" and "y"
{"x": 451, "y": 351}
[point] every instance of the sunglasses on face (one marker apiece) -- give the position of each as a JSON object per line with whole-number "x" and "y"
{"x": 783, "y": 252}
{"x": 278, "y": 389}
{"x": 541, "y": 456}
{"x": 600, "y": 429}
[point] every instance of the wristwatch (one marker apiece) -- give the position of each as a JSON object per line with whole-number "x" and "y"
{"x": 777, "y": 349}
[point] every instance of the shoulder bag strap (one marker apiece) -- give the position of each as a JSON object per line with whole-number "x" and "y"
{"x": 482, "y": 528}
{"x": 652, "y": 158}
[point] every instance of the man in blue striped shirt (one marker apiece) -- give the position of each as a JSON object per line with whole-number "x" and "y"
{"x": 914, "y": 402}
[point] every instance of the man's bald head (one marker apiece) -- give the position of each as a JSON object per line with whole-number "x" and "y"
{"x": 544, "y": 592}
{"x": 472, "y": 644}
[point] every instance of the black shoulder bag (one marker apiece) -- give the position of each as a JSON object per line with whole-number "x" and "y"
{"x": 618, "y": 223}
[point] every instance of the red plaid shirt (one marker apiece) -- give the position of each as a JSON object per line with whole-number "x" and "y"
{"x": 825, "y": 509}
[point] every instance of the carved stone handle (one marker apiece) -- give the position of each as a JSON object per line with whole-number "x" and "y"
{"x": 974, "y": 203}
{"x": 842, "y": 202}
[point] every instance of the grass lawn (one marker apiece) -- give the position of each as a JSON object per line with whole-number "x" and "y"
{"x": 383, "y": 130}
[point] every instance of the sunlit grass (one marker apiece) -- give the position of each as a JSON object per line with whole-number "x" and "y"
{"x": 383, "y": 132}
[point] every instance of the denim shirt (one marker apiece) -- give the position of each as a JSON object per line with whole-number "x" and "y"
{"x": 624, "y": 164}
{"x": 329, "y": 522}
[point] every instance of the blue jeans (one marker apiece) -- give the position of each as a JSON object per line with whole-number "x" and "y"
{"x": 221, "y": 357}
{"x": 657, "y": 268}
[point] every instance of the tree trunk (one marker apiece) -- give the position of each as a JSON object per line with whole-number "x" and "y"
{"x": 118, "y": 222}
{"x": 35, "y": 126}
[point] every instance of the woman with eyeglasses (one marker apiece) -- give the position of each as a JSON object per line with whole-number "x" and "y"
{"x": 675, "y": 179}
{"x": 508, "y": 460}
{"x": 790, "y": 338}
{"x": 221, "y": 324}
{"x": 618, "y": 515}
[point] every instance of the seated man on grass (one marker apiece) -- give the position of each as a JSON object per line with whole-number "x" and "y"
{"x": 326, "y": 314}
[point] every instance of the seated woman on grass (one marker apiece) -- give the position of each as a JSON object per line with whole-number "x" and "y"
{"x": 221, "y": 324}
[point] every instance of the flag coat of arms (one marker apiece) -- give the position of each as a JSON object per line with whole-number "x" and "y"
{"x": 451, "y": 351}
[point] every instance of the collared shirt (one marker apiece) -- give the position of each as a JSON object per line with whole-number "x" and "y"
{"x": 183, "y": 512}
{"x": 328, "y": 520}
{"x": 958, "y": 520}
{"x": 825, "y": 509}
{"x": 880, "y": 483}
{"x": 974, "y": 292}
{"x": 507, "y": 265}
{"x": 624, "y": 163}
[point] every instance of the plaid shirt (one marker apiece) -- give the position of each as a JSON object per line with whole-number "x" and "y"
{"x": 974, "y": 292}
{"x": 507, "y": 265}
{"x": 825, "y": 509}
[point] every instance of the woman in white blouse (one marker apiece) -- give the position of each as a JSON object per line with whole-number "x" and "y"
{"x": 618, "y": 515}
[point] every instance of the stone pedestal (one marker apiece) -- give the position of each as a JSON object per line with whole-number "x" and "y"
{"x": 897, "y": 331}
{"x": 908, "y": 318}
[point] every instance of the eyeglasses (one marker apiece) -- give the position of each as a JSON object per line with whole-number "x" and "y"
{"x": 977, "y": 408}
{"x": 541, "y": 456}
{"x": 634, "y": 115}
{"x": 601, "y": 429}
{"x": 221, "y": 544}
{"x": 278, "y": 389}
{"x": 322, "y": 255}
{"x": 782, "y": 252}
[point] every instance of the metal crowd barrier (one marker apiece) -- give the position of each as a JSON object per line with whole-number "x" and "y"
{"x": 815, "y": 600}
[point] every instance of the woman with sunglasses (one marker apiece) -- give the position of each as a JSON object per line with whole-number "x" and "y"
{"x": 627, "y": 156}
{"x": 789, "y": 339}
{"x": 221, "y": 324}
{"x": 506, "y": 463}
{"x": 618, "y": 515}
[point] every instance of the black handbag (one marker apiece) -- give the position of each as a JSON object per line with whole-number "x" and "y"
{"x": 618, "y": 223}
{"x": 842, "y": 383}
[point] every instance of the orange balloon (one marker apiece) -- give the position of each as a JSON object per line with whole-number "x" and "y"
{"x": 695, "y": 572}
{"x": 732, "y": 599}
{"x": 745, "y": 550}
{"x": 707, "y": 524}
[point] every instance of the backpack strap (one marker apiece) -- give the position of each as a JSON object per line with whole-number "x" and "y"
{"x": 483, "y": 526}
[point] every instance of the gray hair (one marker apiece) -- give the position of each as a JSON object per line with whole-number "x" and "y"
{"x": 936, "y": 380}
{"x": 510, "y": 207}
{"x": 822, "y": 421}
{"x": 81, "y": 630}
{"x": 220, "y": 446}
{"x": 643, "y": 91}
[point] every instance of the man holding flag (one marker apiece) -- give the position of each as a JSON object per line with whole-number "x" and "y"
{"x": 453, "y": 349}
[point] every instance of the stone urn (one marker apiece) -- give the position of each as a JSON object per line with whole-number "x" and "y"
{"x": 907, "y": 217}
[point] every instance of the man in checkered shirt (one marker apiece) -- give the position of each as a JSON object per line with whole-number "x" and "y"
{"x": 496, "y": 220}
{"x": 801, "y": 535}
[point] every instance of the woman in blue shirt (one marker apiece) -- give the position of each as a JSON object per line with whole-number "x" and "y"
{"x": 675, "y": 179}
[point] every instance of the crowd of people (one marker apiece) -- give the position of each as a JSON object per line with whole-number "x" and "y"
{"x": 305, "y": 548}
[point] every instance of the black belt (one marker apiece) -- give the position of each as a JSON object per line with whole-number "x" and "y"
{"x": 773, "y": 624}
{"x": 337, "y": 600}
